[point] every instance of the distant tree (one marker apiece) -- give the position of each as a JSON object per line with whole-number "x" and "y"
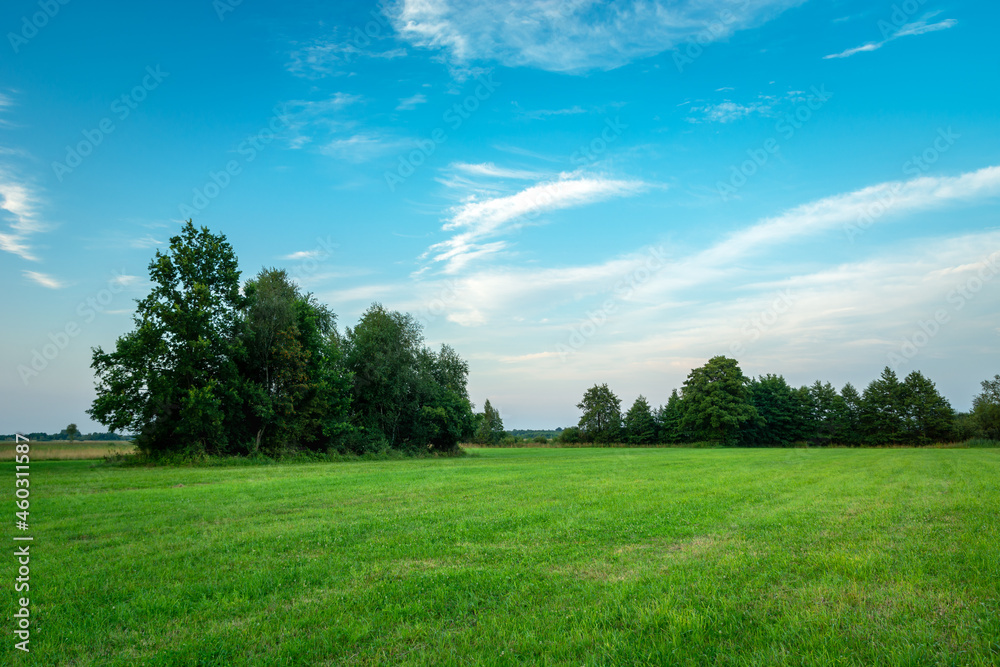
{"x": 571, "y": 436}
{"x": 716, "y": 400}
{"x": 828, "y": 417}
{"x": 602, "y": 417}
{"x": 405, "y": 396}
{"x": 928, "y": 417}
{"x": 640, "y": 427}
{"x": 883, "y": 410}
{"x": 668, "y": 420}
{"x": 490, "y": 426}
{"x": 781, "y": 413}
{"x": 173, "y": 381}
{"x": 986, "y": 408}
{"x": 72, "y": 432}
{"x": 851, "y": 408}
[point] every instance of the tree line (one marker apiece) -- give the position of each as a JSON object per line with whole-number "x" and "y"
{"x": 219, "y": 368}
{"x": 718, "y": 403}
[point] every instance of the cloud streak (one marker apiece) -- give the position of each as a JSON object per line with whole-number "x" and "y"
{"x": 920, "y": 27}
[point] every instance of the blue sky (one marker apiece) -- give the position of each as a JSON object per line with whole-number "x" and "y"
{"x": 567, "y": 192}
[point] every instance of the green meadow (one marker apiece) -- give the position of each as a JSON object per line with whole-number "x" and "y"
{"x": 519, "y": 557}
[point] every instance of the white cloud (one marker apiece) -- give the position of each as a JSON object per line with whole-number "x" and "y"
{"x": 20, "y": 205}
{"x": 147, "y": 241}
{"x": 305, "y": 254}
{"x": 363, "y": 147}
{"x": 408, "y": 103}
{"x": 491, "y": 170}
{"x": 572, "y": 36}
{"x": 324, "y": 57}
{"x": 45, "y": 280}
{"x": 481, "y": 219}
{"x": 920, "y": 27}
{"x": 726, "y": 112}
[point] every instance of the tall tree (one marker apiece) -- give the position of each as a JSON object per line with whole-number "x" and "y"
{"x": 717, "y": 401}
{"x": 173, "y": 381}
{"x": 668, "y": 420}
{"x": 883, "y": 410}
{"x": 782, "y": 414}
{"x": 602, "y": 417}
{"x": 640, "y": 427}
{"x": 928, "y": 415}
{"x": 986, "y": 408}
{"x": 850, "y": 416}
{"x": 828, "y": 413}
{"x": 72, "y": 432}
{"x": 489, "y": 429}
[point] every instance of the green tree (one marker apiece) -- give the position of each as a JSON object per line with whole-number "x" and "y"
{"x": 829, "y": 409}
{"x": 490, "y": 426}
{"x": 782, "y": 414}
{"x": 986, "y": 408}
{"x": 72, "y": 432}
{"x": 668, "y": 420}
{"x": 928, "y": 417}
{"x": 883, "y": 410}
{"x": 640, "y": 427}
{"x": 602, "y": 416}
{"x": 173, "y": 381}
{"x": 716, "y": 400}
{"x": 850, "y": 416}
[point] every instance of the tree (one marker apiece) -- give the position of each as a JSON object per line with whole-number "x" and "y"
{"x": 72, "y": 432}
{"x": 173, "y": 381}
{"x": 883, "y": 410}
{"x": 668, "y": 420}
{"x": 782, "y": 413}
{"x": 716, "y": 400}
{"x": 828, "y": 413}
{"x": 602, "y": 417}
{"x": 404, "y": 396}
{"x": 850, "y": 416}
{"x": 490, "y": 426}
{"x": 986, "y": 408}
{"x": 928, "y": 417}
{"x": 640, "y": 427}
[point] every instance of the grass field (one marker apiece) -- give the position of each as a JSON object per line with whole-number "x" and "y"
{"x": 520, "y": 556}
{"x": 64, "y": 450}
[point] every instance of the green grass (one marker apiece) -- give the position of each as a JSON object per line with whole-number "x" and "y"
{"x": 520, "y": 557}
{"x": 64, "y": 450}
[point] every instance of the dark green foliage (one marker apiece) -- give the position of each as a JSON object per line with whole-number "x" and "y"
{"x": 640, "y": 427}
{"x": 489, "y": 426}
{"x": 928, "y": 416}
{"x": 173, "y": 381}
{"x": 883, "y": 410}
{"x": 783, "y": 414}
{"x": 408, "y": 395}
{"x": 215, "y": 370}
{"x": 716, "y": 400}
{"x": 602, "y": 416}
{"x": 986, "y": 408}
{"x": 669, "y": 419}
{"x": 572, "y": 435}
{"x": 72, "y": 432}
{"x": 851, "y": 416}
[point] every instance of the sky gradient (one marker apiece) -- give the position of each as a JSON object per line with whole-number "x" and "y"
{"x": 567, "y": 193}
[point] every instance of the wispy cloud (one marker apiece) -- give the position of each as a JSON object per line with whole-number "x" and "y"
{"x": 20, "y": 207}
{"x": 538, "y": 114}
{"x": 363, "y": 147}
{"x": 726, "y": 112}
{"x": 491, "y": 170}
{"x": 305, "y": 254}
{"x": 45, "y": 280}
{"x": 571, "y": 37}
{"x": 325, "y": 57}
{"x": 920, "y": 27}
{"x": 412, "y": 102}
{"x": 482, "y": 219}
{"x": 147, "y": 241}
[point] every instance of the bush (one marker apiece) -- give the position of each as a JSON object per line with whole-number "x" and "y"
{"x": 977, "y": 443}
{"x": 540, "y": 439}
